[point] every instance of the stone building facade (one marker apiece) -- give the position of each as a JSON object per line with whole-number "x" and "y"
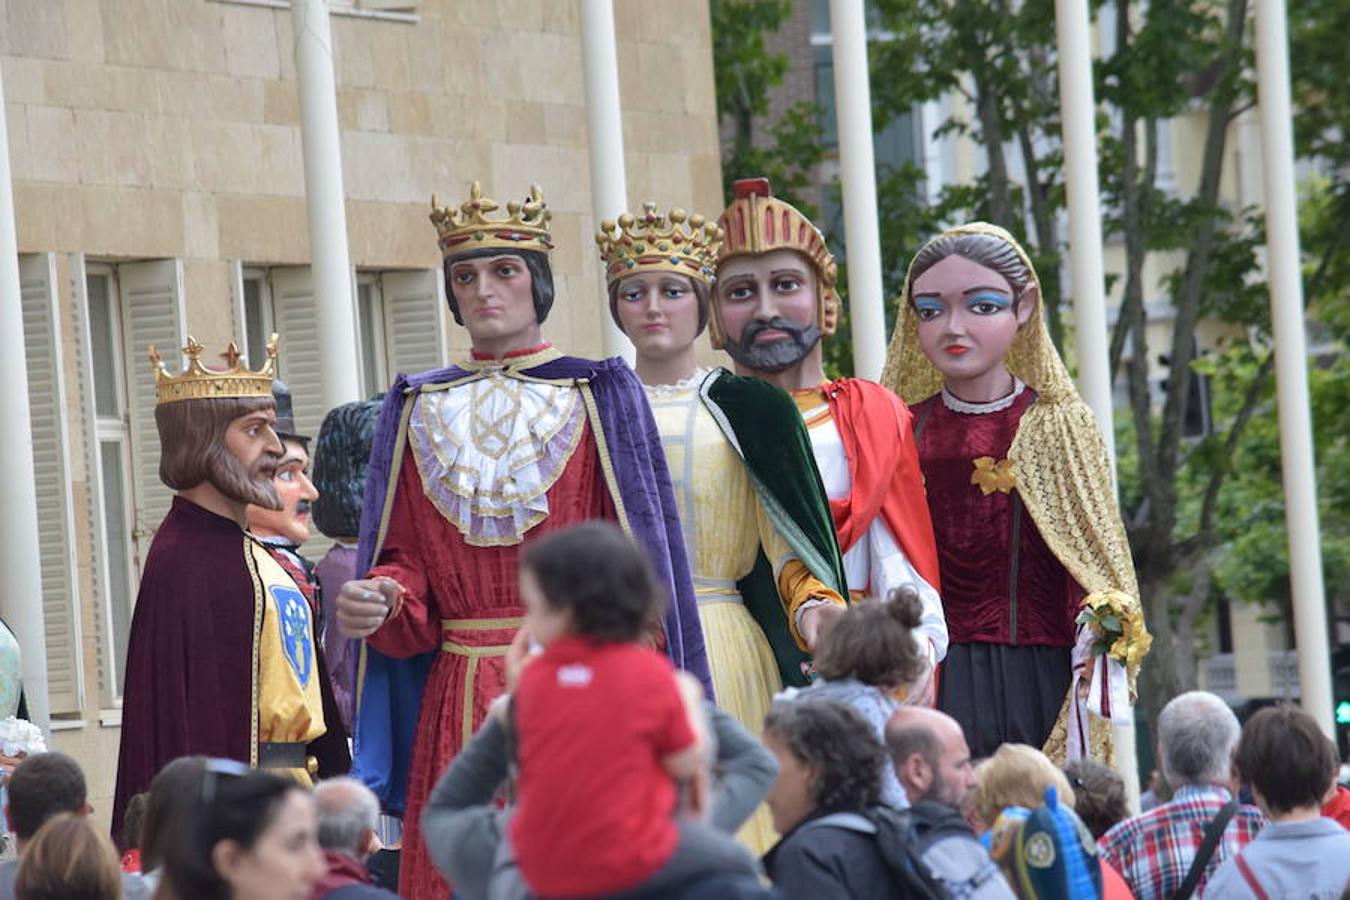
{"x": 159, "y": 190}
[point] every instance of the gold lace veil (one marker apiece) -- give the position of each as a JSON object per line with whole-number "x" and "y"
{"x": 1060, "y": 464}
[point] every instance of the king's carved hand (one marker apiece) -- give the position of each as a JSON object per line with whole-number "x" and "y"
{"x": 364, "y": 604}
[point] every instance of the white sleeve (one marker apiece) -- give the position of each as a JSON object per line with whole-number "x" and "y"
{"x": 889, "y": 569}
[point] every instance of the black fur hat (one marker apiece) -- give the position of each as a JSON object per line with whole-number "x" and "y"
{"x": 340, "y": 458}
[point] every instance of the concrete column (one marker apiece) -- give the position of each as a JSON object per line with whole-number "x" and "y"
{"x": 324, "y": 202}
{"x": 20, "y": 554}
{"x": 1291, "y": 362}
{"x": 604, "y": 129}
{"x": 1087, "y": 277}
{"x": 1078, "y": 123}
{"x": 857, "y": 174}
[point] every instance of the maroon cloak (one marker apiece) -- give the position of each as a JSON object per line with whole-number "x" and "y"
{"x": 188, "y": 686}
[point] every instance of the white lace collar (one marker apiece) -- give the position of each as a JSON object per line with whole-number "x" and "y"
{"x": 956, "y": 404}
{"x": 684, "y": 385}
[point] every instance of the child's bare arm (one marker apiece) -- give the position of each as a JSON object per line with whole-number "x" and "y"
{"x": 685, "y": 763}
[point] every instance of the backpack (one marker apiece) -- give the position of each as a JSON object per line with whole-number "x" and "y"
{"x": 899, "y": 846}
{"x": 903, "y": 837}
{"x": 978, "y": 875}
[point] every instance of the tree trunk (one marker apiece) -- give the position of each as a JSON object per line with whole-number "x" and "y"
{"x": 1047, "y": 236}
{"x": 991, "y": 132}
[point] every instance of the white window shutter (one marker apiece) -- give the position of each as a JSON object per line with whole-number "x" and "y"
{"x": 414, "y": 327}
{"x": 51, "y": 474}
{"x": 297, "y": 325}
{"x": 152, "y": 314}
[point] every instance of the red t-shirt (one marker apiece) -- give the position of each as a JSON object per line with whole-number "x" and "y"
{"x": 596, "y": 809}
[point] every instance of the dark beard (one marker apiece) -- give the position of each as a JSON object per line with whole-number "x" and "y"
{"x": 774, "y": 356}
{"x": 248, "y": 486}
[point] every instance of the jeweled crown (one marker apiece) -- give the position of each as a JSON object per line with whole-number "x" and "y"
{"x": 661, "y": 242}
{"x": 526, "y": 226}
{"x": 197, "y": 382}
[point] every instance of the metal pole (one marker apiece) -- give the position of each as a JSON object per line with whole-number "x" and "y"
{"x": 1078, "y": 122}
{"x": 604, "y": 128}
{"x": 325, "y": 204}
{"x": 857, "y": 175}
{"x": 20, "y": 554}
{"x": 1291, "y": 363}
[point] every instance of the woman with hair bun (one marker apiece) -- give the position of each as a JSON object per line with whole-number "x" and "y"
{"x": 866, "y": 661}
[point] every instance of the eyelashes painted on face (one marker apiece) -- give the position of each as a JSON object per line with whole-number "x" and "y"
{"x": 638, "y": 294}
{"x": 983, "y": 304}
{"x": 927, "y": 308}
{"x": 988, "y": 304}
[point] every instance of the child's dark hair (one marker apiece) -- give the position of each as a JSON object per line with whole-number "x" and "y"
{"x": 873, "y": 642}
{"x": 598, "y": 574}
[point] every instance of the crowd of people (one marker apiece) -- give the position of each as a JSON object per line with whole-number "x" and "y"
{"x": 603, "y": 771}
{"x": 657, "y": 630}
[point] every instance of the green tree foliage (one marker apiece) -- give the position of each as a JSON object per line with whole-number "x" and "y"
{"x": 745, "y": 71}
{"x": 1205, "y": 515}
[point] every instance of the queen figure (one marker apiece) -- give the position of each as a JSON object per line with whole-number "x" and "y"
{"x": 1037, "y": 580}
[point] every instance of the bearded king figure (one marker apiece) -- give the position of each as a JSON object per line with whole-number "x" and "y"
{"x": 223, "y": 659}
{"x": 774, "y": 302}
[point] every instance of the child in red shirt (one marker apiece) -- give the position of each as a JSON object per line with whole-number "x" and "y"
{"x": 602, "y": 730}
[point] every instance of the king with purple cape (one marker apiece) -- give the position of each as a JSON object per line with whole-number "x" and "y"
{"x": 468, "y": 464}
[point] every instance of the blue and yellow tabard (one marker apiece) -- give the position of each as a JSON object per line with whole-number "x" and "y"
{"x": 287, "y": 696}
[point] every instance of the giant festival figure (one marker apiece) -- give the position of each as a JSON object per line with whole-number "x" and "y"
{"x": 468, "y": 463}
{"x": 756, "y": 519}
{"x": 1046, "y": 628}
{"x": 774, "y": 302}
{"x": 223, "y": 659}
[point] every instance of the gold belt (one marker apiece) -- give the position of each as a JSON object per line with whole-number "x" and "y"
{"x": 474, "y": 653}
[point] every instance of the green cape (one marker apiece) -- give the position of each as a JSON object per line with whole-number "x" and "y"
{"x": 766, "y": 430}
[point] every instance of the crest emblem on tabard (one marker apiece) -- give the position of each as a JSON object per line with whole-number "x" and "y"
{"x": 293, "y": 620}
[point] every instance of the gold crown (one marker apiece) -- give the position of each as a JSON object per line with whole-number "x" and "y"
{"x": 197, "y": 382}
{"x": 468, "y": 227}
{"x": 660, "y": 242}
{"x": 758, "y": 222}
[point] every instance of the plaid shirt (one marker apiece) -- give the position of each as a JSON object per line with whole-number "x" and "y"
{"x": 1154, "y": 851}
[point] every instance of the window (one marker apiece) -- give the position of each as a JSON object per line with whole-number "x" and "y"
{"x": 400, "y": 327}
{"x": 257, "y": 316}
{"x": 370, "y": 334}
{"x": 390, "y": 10}
{"x": 112, "y": 441}
{"x": 123, "y": 310}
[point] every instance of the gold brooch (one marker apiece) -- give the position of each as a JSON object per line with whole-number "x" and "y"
{"x": 992, "y": 476}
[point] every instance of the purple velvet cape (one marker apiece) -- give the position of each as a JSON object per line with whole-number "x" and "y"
{"x": 189, "y": 669}
{"x": 390, "y": 694}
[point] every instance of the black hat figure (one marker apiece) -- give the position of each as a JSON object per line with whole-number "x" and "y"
{"x": 340, "y": 458}
{"x": 285, "y": 427}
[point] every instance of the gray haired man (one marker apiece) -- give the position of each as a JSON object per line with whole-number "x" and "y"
{"x": 348, "y": 813}
{"x": 1157, "y": 851}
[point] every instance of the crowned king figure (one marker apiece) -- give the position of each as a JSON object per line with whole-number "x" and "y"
{"x": 467, "y": 464}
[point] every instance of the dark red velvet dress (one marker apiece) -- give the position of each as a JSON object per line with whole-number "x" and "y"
{"x": 1010, "y": 604}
